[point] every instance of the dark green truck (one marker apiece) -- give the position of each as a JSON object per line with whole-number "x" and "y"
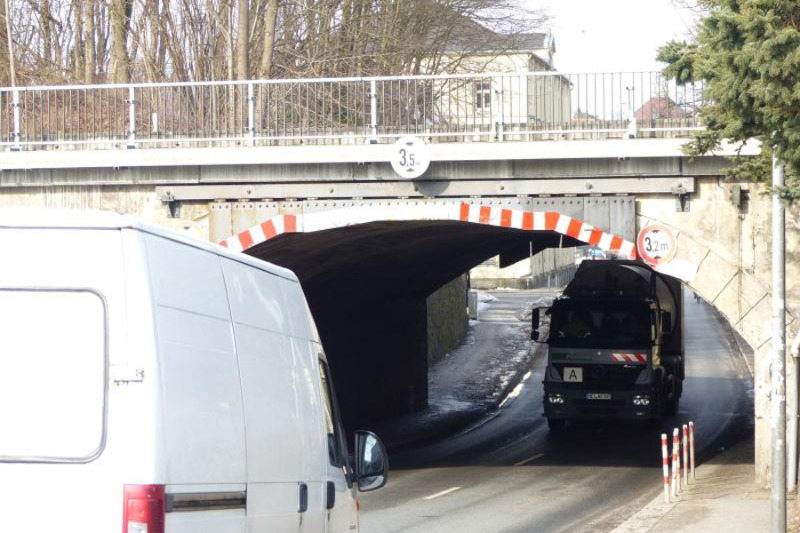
{"x": 615, "y": 346}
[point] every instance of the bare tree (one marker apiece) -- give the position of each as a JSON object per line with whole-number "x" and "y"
{"x": 268, "y": 39}
{"x": 120, "y": 25}
{"x": 123, "y": 40}
{"x": 89, "y": 44}
{"x": 243, "y": 40}
{"x": 6, "y": 47}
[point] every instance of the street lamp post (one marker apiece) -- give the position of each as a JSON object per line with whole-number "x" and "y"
{"x": 778, "y": 375}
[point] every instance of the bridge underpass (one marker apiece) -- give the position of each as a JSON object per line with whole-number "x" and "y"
{"x": 189, "y": 177}
{"x": 368, "y": 270}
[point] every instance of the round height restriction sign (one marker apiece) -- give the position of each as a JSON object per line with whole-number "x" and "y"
{"x": 410, "y": 157}
{"x": 656, "y": 244}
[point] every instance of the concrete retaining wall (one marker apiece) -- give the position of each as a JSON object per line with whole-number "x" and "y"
{"x": 447, "y": 318}
{"x": 489, "y": 275}
{"x": 554, "y": 279}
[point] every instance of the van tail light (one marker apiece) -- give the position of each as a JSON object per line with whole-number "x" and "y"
{"x": 143, "y": 509}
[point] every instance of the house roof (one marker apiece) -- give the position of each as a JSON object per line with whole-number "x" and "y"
{"x": 533, "y": 41}
{"x": 468, "y": 36}
{"x": 480, "y": 39}
{"x": 660, "y": 107}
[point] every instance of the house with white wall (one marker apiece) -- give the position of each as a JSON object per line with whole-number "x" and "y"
{"x": 520, "y": 103}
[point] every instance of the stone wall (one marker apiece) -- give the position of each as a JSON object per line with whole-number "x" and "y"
{"x": 447, "y": 318}
{"x": 727, "y": 251}
{"x": 140, "y": 201}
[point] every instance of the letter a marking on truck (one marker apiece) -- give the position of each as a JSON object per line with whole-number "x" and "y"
{"x": 573, "y": 374}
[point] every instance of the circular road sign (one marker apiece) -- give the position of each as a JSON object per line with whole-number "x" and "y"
{"x": 410, "y": 157}
{"x": 656, "y": 244}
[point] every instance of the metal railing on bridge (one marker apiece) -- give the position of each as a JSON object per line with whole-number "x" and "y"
{"x": 468, "y": 107}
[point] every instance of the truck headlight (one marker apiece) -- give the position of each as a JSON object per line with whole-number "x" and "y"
{"x": 641, "y": 400}
{"x": 555, "y": 398}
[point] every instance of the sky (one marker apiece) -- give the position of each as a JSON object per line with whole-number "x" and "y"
{"x": 613, "y": 35}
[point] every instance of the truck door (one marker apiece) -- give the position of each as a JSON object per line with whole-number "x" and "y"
{"x": 339, "y": 491}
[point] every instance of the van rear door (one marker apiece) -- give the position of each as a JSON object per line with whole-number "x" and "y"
{"x": 203, "y": 422}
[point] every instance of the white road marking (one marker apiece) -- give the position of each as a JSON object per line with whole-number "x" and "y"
{"x": 529, "y": 459}
{"x": 438, "y": 494}
{"x": 515, "y": 392}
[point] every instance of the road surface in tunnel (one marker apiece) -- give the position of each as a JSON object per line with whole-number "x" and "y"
{"x": 509, "y": 473}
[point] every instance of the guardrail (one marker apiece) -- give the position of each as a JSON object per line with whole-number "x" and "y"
{"x": 469, "y": 107}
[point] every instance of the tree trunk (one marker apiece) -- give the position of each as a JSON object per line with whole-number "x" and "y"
{"x": 229, "y": 33}
{"x": 89, "y": 44}
{"x": 267, "y": 53}
{"x": 243, "y": 41}
{"x": 120, "y": 18}
{"x": 77, "y": 42}
{"x": 47, "y": 33}
{"x": 161, "y": 53}
{"x": 5, "y": 45}
{"x": 101, "y": 37}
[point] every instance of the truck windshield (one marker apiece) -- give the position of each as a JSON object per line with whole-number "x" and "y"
{"x": 601, "y": 324}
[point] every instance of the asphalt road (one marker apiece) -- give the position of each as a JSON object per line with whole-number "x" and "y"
{"x": 507, "y": 472}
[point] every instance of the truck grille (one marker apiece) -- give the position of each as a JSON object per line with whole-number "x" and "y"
{"x": 605, "y": 377}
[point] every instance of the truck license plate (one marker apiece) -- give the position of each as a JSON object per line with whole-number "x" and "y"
{"x": 598, "y": 396}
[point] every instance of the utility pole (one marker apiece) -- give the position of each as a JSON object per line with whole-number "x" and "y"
{"x": 778, "y": 377}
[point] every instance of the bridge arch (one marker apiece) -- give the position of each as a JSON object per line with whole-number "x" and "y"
{"x": 537, "y": 221}
{"x": 368, "y": 269}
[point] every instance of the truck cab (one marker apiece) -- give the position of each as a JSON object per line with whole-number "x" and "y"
{"x": 615, "y": 347}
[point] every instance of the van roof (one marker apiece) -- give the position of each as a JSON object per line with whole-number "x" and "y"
{"x": 89, "y": 219}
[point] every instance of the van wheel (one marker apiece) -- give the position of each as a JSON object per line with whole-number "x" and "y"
{"x": 555, "y": 424}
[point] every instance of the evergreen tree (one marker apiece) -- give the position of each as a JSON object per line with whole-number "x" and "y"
{"x": 748, "y": 54}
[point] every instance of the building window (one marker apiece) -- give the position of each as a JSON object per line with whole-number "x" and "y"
{"x": 483, "y": 95}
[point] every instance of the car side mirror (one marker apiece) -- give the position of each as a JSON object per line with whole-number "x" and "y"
{"x": 372, "y": 465}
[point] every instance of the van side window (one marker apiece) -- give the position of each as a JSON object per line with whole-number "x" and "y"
{"x": 53, "y": 356}
{"x": 337, "y": 448}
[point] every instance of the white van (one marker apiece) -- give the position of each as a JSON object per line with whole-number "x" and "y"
{"x": 151, "y": 383}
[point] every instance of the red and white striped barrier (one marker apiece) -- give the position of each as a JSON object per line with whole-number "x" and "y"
{"x": 676, "y": 463}
{"x": 665, "y": 465}
{"x": 685, "y": 455}
{"x": 691, "y": 448}
{"x": 475, "y": 213}
{"x": 673, "y": 481}
{"x": 629, "y": 357}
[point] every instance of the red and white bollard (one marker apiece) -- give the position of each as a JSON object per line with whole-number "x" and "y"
{"x": 665, "y": 464}
{"x": 675, "y": 462}
{"x": 685, "y": 453}
{"x": 691, "y": 448}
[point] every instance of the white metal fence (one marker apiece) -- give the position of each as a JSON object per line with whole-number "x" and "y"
{"x": 470, "y": 107}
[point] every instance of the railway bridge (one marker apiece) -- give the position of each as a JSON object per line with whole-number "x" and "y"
{"x": 304, "y": 173}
